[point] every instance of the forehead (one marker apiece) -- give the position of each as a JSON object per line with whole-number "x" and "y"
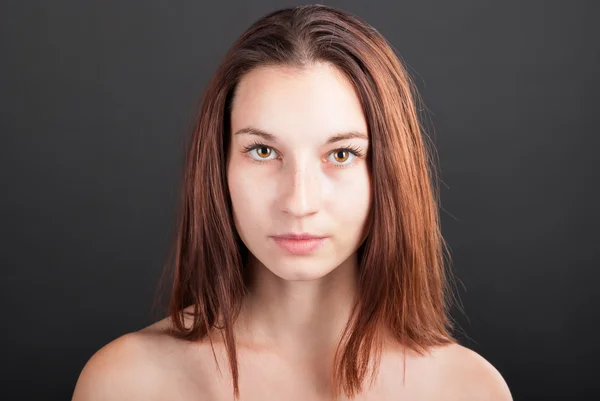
{"x": 315, "y": 101}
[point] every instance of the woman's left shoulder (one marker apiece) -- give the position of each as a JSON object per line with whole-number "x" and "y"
{"x": 469, "y": 375}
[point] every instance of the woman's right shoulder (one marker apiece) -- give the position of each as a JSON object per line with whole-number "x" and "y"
{"x": 127, "y": 368}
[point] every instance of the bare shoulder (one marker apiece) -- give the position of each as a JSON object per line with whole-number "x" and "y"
{"x": 127, "y": 368}
{"x": 469, "y": 375}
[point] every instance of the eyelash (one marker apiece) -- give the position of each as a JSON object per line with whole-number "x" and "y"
{"x": 356, "y": 151}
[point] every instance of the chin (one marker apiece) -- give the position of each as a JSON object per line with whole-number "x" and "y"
{"x": 298, "y": 269}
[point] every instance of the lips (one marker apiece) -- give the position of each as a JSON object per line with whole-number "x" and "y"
{"x": 299, "y": 244}
{"x": 299, "y": 236}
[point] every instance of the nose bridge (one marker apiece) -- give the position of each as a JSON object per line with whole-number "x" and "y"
{"x": 301, "y": 193}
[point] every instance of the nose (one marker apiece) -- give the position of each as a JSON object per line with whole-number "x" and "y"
{"x": 301, "y": 192}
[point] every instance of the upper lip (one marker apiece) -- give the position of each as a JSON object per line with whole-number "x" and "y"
{"x": 299, "y": 236}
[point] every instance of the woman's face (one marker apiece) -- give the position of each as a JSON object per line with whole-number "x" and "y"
{"x": 288, "y": 173}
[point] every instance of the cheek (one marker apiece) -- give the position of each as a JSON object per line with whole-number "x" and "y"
{"x": 347, "y": 198}
{"x": 352, "y": 197}
{"x": 239, "y": 189}
{"x": 249, "y": 196}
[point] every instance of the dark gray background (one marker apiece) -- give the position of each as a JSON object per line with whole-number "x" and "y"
{"x": 96, "y": 104}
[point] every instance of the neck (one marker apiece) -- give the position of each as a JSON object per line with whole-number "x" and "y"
{"x": 297, "y": 317}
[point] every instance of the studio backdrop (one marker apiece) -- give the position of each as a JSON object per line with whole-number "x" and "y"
{"x": 97, "y": 103}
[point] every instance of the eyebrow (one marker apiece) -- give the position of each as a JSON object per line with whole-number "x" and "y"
{"x": 332, "y": 139}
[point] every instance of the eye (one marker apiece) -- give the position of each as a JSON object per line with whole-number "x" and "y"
{"x": 262, "y": 152}
{"x": 341, "y": 155}
{"x": 340, "y": 158}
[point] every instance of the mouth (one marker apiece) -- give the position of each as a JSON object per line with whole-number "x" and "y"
{"x": 299, "y": 236}
{"x": 299, "y": 244}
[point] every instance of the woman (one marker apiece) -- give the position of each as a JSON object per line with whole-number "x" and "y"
{"x": 309, "y": 256}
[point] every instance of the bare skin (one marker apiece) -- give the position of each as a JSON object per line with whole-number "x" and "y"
{"x": 298, "y": 304}
{"x": 152, "y": 365}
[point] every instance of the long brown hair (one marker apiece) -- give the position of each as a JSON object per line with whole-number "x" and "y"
{"x": 404, "y": 283}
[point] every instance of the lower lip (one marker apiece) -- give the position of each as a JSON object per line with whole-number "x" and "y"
{"x": 299, "y": 246}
